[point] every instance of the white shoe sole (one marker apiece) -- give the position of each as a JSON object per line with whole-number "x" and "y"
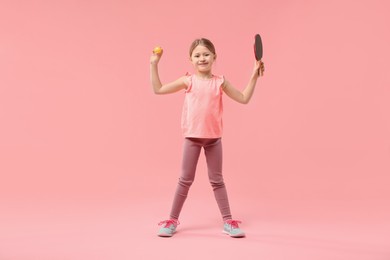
{"x": 236, "y": 235}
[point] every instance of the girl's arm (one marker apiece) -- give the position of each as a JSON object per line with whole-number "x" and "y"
{"x": 158, "y": 87}
{"x": 244, "y": 96}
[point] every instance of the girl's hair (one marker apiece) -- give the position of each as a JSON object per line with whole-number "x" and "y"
{"x": 204, "y": 42}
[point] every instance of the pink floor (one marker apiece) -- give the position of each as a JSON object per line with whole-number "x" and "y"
{"x": 127, "y": 230}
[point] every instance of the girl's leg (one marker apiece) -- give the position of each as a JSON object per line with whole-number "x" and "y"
{"x": 191, "y": 151}
{"x": 213, "y": 152}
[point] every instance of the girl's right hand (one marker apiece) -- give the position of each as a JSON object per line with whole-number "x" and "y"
{"x": 155, "y": 58}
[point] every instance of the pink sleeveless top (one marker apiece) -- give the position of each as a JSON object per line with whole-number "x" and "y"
{"x": 202, "y": 110}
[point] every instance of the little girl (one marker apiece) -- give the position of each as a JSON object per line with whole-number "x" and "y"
{"x": 202, "y": 127}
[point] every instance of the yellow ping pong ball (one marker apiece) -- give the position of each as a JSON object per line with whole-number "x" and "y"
{"x": 157, "y": 50}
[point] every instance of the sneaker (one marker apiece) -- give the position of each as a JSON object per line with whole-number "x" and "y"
{"x": 168, "y": 227}
{"x": 230, "y": 227}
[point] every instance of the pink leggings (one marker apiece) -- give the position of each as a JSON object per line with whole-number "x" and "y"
{"x": 191, "y": 152}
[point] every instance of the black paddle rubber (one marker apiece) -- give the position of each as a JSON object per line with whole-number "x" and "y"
{"x": 258, "y": 47}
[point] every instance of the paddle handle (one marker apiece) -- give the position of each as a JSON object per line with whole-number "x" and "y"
{"x": 259, "y": 72}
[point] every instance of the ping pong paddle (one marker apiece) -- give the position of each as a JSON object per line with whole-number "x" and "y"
{"x": 258, "y": 48}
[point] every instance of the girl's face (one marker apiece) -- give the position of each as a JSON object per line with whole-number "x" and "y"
{"x": 202, "y": 59}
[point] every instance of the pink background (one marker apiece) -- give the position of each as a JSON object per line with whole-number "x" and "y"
{"x": 89, "y": 156}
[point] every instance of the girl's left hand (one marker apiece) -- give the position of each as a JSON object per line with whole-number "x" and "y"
{"x": 259, "y": 68}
